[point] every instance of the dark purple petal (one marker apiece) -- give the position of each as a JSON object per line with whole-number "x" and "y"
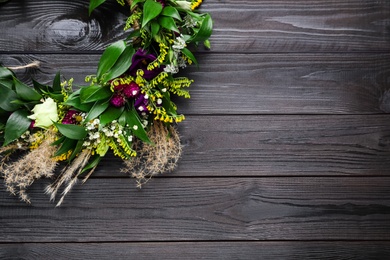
{"x": 140, "y": 60}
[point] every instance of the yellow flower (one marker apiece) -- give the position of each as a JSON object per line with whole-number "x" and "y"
{"x": 45, "y": 114}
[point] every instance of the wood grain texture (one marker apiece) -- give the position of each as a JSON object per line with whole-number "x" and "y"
{"x": 239, "y": 26}
{"x": 204, "y": 209}
{"x": 279, "y": 146}
{"x": 258, "y": 83}
{"x": 198, "y": 250}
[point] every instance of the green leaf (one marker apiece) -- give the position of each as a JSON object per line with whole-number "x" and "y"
{"x": 17, "y": 124}
{"x": 8, "y": 83}
{"x": 98, "y": 108}
{"x": 122, "y": 64}
{"x": 58, "y": 141}
{"x": 57, "y": 83}
{"x": 67, "y": 145}
{"x": 168, "y": 23}
{"x": 171, "y": 12}
{"x": 155, "y": 26}
{"x": 205, "y": 29}
{"x": 92, "y": 163}
{"x": 109, "y": 57}
{"x": 5, "y": 73}
{"x": 25, "y": 92}
{"x": 76, "y": 103}
{"x": 74, "y": 132}
{"x": 136, "y": 2}
{"x": 7, "y": 96}
{"x": 40, "y": 88}
{"x": 207, "y": 44}
{"x": 112, "y": 113}
{"x": 76, "y": 150}
{"x": 189, "y": 55}
{"x": 150, "y": 11}
{"x": 94, "y": 93}
{"x": 94, "y": 4}
{"x": 133, "y": 120}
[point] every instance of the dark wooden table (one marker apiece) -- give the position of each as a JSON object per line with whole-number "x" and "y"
{"x": 286, "y": 142}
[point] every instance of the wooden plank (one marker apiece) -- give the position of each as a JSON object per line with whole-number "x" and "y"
{"x": 258, "y": 83}
{"x": 228, "y": 146}
{"x": 200, "y": 209}
{"x": 239, "y": 26}
{"x": 279, "y": 146}
{"x": 198, "y": 250}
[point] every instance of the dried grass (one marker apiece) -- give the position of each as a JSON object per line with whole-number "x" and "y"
{"x": 68, "y": 177}
{"x": 159, "y": 157}
{"x": 36, "y": 164}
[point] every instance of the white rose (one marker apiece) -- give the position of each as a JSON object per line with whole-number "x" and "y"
{"x": 184, "y": 4}
{"x": 45, "y": 114}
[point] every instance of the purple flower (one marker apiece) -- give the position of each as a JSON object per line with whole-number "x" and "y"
{"x": 141, "y": 103}
{"x": 131, "y": 90}
{"x": 140, "y": 60}
{"x": 70, "y": 117}
{"x": 117, "y": 100}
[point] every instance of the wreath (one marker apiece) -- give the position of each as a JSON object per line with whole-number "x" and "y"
{"x": 125, "y": 108}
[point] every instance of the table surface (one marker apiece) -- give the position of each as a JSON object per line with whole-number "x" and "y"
{"x": 286, "y": 142}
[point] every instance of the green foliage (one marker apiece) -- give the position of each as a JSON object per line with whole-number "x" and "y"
{"x": 17, "y": 124}
{"x": 151, "y": 10}
{"x": 74, "y": 132}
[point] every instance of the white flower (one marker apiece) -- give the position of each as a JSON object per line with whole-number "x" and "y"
{"x": 179, "y": 43}
{"x": 45, "y": 114}
{"x": 159, "y": 101}
{"x": 171, "y": 69}
{"x": 184, "y": 4}
{"x": 135, "y": 127}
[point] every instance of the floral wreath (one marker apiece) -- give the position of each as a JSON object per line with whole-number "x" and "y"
{"x": 126, "y": 108}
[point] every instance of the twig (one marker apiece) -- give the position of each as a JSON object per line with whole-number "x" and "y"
{"x": 34, "y": 64}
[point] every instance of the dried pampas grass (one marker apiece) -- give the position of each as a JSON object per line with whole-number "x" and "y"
{"x": 36, "y": 164}
{"x": 68, "y": 176}
{"x": 159, "y": 157}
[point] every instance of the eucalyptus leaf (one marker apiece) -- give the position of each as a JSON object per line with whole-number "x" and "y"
{"x": 150, "y": 11}
{"x": 17, "y": 124}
